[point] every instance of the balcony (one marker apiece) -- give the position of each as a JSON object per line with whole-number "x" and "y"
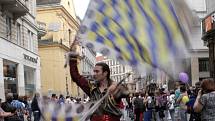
{"x": 17, "y": 7}
{"x": 41, "y": 29}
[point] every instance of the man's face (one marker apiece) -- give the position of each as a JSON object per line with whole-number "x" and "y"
{"x": 99, "y": 75}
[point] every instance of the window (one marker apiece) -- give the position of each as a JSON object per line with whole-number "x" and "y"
{"x": 68, "y": 3}
{"x": 114, "y": 70}
{"x": 70, "y": 37}
{"x": 18, "y": 34}
{"x": 123, "y": 69}
{"x": 30, "y": 6}
{"x": 8, "y": 27}
{"x": 203, "y": 64}
{"x": 117, "y": 70}
{"x": 30, "y": 40}
{"x": 10, "y": 76}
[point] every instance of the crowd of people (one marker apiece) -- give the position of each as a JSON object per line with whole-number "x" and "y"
{"x": 193, "y": 103}
{"x": 185, "y": 103}
{"x": 23, "y": 108}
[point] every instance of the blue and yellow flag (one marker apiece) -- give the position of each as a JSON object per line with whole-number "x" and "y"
{"x": 52, "y": 111}
{"x": 134, "y": 31}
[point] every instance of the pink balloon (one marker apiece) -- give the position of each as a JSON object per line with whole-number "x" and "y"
{"x": 183, "y": 77}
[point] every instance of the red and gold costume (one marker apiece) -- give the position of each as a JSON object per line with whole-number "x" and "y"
{"x": 108, "y": 110}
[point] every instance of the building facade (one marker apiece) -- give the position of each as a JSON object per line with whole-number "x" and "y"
{"x": 61, "y": 26}
{"x": 208, "y": 35}
{"x": 199, "y": 61}
{"x": 19, "y": 59}
{"x": 88, "y": 61}
{"x": 87, "y": 64}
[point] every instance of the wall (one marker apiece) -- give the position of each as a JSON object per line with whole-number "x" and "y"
{"x": 53, "y": 74}
{"x": 57, "y": 25}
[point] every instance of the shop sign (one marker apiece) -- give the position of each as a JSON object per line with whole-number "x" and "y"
{"x": 29, "y": 58}
{"x": 208, "y": 23}
{"x": 10, "y": 79}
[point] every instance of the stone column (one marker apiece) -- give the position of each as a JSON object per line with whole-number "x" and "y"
{"x": 37, "y": 80}
{"x": 194, "y": 70}
{"x": 21, "y": 80}
{"x": 211, "y": 45}
{"x": 2, "y": 94}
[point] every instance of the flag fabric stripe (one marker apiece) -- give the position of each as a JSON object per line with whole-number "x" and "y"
{"x": 141, "y": 31}
{"x": 164, "y": 25}
{"x": 148, "y": 13}
{"x": 122, "y": 33}
{"x": 131, "y": 40}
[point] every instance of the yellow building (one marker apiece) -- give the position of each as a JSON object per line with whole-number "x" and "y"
{"x": 61, "y": 26}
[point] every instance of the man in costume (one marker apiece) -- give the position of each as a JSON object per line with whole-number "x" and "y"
{"x": 109, "y": 109}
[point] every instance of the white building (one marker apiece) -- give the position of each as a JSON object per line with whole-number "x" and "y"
{"x": 19, "y": 60}
{"x": 199, "y": 53}
{"x": 88, "y": 62}
{"x": 86, "y": 66}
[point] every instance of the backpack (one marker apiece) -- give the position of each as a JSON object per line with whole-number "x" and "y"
{"x": 190, "y": 104}
{"x": 138, "y": 104}
{"x": 151, "y": 103}
{"x": 7, "y": 107}
{"x": 194, "y": 116}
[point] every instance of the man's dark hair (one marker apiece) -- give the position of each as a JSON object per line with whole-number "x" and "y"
{"x": 15, "y": 96}
{"x": 53, "y": 95}
{"x": 106, "y": 68}
{"x": 9, "y": 97}
{"x": 136, "y": 94}
{"x": 183, "y": 89}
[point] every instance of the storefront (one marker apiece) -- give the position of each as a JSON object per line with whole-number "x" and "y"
{"x": 19, "y": 70}
{"x": 10, "y": 76}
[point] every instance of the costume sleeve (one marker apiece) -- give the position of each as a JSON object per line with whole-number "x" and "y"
{"x": 77, "y": 78}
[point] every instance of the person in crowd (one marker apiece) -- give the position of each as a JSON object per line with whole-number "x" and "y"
{"x": 124, "y": 109}
{"x": 108, "y": 110}
{"x": 54, "y": 98}
{"x": 162, "y": 104}
{"x": 35, "y": 107}
{"x": 194, "y": 116}
{"x": 4, "y": 114}
{"x": 183, "y": 100}
{"x": 130, "y": 112}
{"x": 157, "y": 113}
{"x": 20, "y": 106}
{"x": 177, "y": 90}
{"x": 171, "y": 104}
{"x": 205, "y": 100}
{"x": 7, "y": 107}
{"x": 61, "y": 99}
{"x": 27, "y": 108}
{"x": 150, "y": 103}
{"x": 68, "y": 100}
{"x": 138, "y": 107}
{"x": 142, "y": 96}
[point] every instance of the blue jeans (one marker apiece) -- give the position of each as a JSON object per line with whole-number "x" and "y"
{"x": 148, "y": 115}
{"x": 36, "y": 116}
{"x": 183, "y": 115}
{"x": 172, "y": 112}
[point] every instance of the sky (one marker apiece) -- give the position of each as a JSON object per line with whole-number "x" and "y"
{"x": 81, "y": 7}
